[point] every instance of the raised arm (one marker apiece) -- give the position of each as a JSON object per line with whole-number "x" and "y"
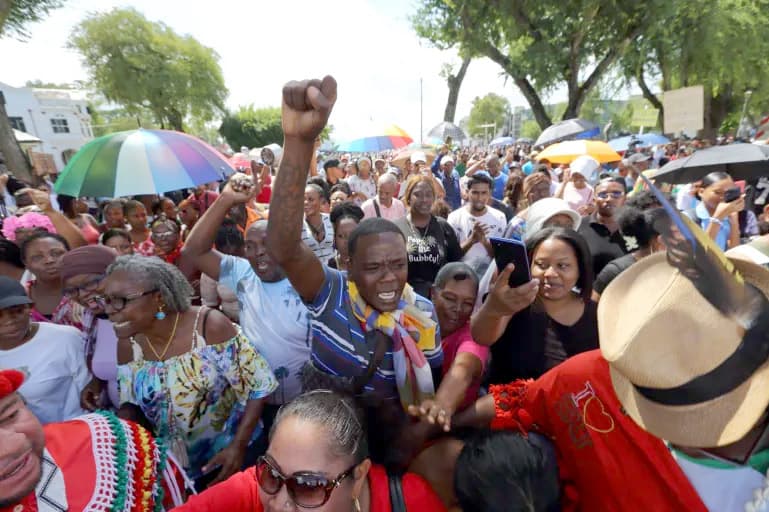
{"x": 306, "y": 107}
{"x": 64, "y": 227}
{"x": 198, "y": 248}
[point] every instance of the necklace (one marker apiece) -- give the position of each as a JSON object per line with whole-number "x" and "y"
{"x": 161, "y": 357}
{"x": 318, "y": 233}
{"x": 419, "y": 232}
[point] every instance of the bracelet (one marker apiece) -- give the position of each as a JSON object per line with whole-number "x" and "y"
{"x": 714, "y": 220}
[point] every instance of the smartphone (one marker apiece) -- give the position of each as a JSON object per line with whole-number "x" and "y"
{"x": 508, "y": 251}
{"x": 732, "y": 195}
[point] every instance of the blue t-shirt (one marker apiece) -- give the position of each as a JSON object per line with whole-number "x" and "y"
{"x": 339, "y": 346}
{"x": 499, "y": 186}
{"x": 703, "y": 219}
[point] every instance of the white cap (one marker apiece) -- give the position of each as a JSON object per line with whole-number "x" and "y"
{"x": 545, "y": 209}
{"x": 418, "y": 156}
{"x": 584, "y": 165}
{"x": 447, "y": 158}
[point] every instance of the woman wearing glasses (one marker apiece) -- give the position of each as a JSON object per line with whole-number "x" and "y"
{"x": 317, "y": 459}
{"x": 166, "y": 234}
{"x": 83, "y": 270}
{"x": 198, "y": 381}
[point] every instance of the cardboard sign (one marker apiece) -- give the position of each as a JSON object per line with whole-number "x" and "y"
{"x": 684, "y": 110}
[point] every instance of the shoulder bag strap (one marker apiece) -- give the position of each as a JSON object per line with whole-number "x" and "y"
{"x": 397, "y": 500}
{"x": 376, "y": 207}
{"x": 382, "y": 343}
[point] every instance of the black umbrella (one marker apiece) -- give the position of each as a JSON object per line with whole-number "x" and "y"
{"x": 568, "y": 129}
{"x": 741, "y": 161}
{"x": 524, "y": 140}
{"x": 446, "y": 129}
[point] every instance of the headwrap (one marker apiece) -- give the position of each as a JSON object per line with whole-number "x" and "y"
{"x": 10, "y": 381}
{"x": 91, "y": 259}
{"x": 29, "y": 220}
{"x": 412, "y": 332}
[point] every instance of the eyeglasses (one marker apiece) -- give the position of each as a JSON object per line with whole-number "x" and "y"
{"x": 119, "y": 303}
{"x": 90, "y": 286}
{"x": 614, "y": 194}
{"x": 306, "y": 489}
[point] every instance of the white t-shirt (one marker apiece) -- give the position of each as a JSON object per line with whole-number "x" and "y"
{"x": 722, "y": 489}
{"x": 463, "y": 221}
{"x": 275, "y": 320}
{"x": 324, "y": 249}
{"x": 54, "y": 360}
{"x": 367, "y": 187}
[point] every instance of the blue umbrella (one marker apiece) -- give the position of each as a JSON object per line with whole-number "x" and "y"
{"x": 568, "y": 129}
{"x": 645, "y": 140}
{"x": 502, "y": 141}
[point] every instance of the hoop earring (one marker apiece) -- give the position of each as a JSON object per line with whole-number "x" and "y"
{"x": 160, "y": 315}
{"x": 356, "y": 505}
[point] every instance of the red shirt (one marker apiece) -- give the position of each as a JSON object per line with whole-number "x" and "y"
{"x": 240, "y": 494}
{"x": 607, "y": 462}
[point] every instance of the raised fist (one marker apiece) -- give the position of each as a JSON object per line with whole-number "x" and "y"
{"x": 306, "y": 107}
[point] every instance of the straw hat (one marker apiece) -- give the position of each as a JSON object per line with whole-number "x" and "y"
{"x": 658, "y": 332}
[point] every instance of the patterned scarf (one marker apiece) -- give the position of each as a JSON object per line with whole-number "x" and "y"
{"x": 412, "y": 332}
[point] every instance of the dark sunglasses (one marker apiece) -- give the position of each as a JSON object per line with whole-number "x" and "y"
{"x": 306, "y": 488}
{"x": 90, "y": 286}
{"x": 119, "y": 303}
{"x": 615, "y": 194}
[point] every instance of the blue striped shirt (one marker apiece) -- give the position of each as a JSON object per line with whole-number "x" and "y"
{"x": 339, "y": 345}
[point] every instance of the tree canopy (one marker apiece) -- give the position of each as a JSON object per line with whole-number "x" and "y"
{"x": 15, "y": 15}
{"x": 256, "y": 127}
{"x": 541, "y": 44}
{"x": 491, "y": 109}
{"x": 140, "y": 65}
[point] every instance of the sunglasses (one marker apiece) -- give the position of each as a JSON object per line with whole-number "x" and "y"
{"x": 119, "y": 303}
{"x": 614, "y": 194}
{"x": 307, "y": 489}
{"x": 90, "y": 286}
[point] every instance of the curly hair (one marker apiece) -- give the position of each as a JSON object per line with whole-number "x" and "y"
{"x": 29, "y": 220}
{"x": 174, "y": 288}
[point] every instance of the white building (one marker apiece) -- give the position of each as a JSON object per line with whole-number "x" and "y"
{"x": 58, "y": 117}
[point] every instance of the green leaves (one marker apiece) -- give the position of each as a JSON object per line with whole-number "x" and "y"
{"x": 491, "y": 109}
{"x": 15, "y": 15}
{"x": 144, "y": 65}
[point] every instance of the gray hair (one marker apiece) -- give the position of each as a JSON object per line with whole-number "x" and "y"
{"x": 339, "y": 416}
{"x": 386, "y": 178}
{"x": 166, "y": 278}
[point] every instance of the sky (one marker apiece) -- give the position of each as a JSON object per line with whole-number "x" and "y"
{"x": 367, "y": 45}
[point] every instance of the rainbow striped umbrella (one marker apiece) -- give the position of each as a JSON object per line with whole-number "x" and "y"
{"x": 392, "y": 137}
{"x": 141, "y": 162}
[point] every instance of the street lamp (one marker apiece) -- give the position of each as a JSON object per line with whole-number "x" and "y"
{"x": 743, "y": 129}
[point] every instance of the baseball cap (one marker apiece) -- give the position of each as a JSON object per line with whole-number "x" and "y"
{"x": 12, "y": 293}
{"x": 447, "y": 158}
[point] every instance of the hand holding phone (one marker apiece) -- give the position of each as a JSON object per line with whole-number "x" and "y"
{"x": 508, "y": 251}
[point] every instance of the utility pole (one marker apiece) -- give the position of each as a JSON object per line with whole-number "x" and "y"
{"x": 421, "y": 114}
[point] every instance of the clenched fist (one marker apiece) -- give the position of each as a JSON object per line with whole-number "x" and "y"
{"x": 306, "y": 107}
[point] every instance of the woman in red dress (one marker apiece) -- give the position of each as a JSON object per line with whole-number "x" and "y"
{"x": 317, "y": 458}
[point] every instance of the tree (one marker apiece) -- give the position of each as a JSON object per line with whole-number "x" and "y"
{"x": 141, "y": 65}
{"x": 256, "y": 127}
{"x": 541, "y": 44}
{"x": 491, "y": 109}
{"x": 15, "y": 15}
{"x": 454, "y": 81}
{"x": 719, "y": 44}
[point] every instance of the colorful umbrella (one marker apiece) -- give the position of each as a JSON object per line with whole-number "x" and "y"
{"x": 141, "y": 162}
{"x": 566, "y": 152}
{"x": 391, "y": 137}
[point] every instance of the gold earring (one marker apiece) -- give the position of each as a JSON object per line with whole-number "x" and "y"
{"x": 356, "y": 504}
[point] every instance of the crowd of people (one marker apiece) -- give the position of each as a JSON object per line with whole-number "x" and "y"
{"x": 335, "y": 333}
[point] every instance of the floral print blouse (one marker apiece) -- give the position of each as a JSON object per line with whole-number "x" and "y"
{"x": 197, "y": 399}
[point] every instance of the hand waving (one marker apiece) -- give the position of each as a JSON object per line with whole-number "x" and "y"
{"x": 306, "y": 107}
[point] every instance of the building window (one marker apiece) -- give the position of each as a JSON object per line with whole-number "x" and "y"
{"x": 17, "y": 123}
{"x": 60, "y": 125}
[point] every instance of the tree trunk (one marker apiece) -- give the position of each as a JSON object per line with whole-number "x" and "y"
{"x": 15, "y": 159}
{"x": 716, "y": 109}
{"x": 650, "y": 96}
{"x": 455, "y": 82}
